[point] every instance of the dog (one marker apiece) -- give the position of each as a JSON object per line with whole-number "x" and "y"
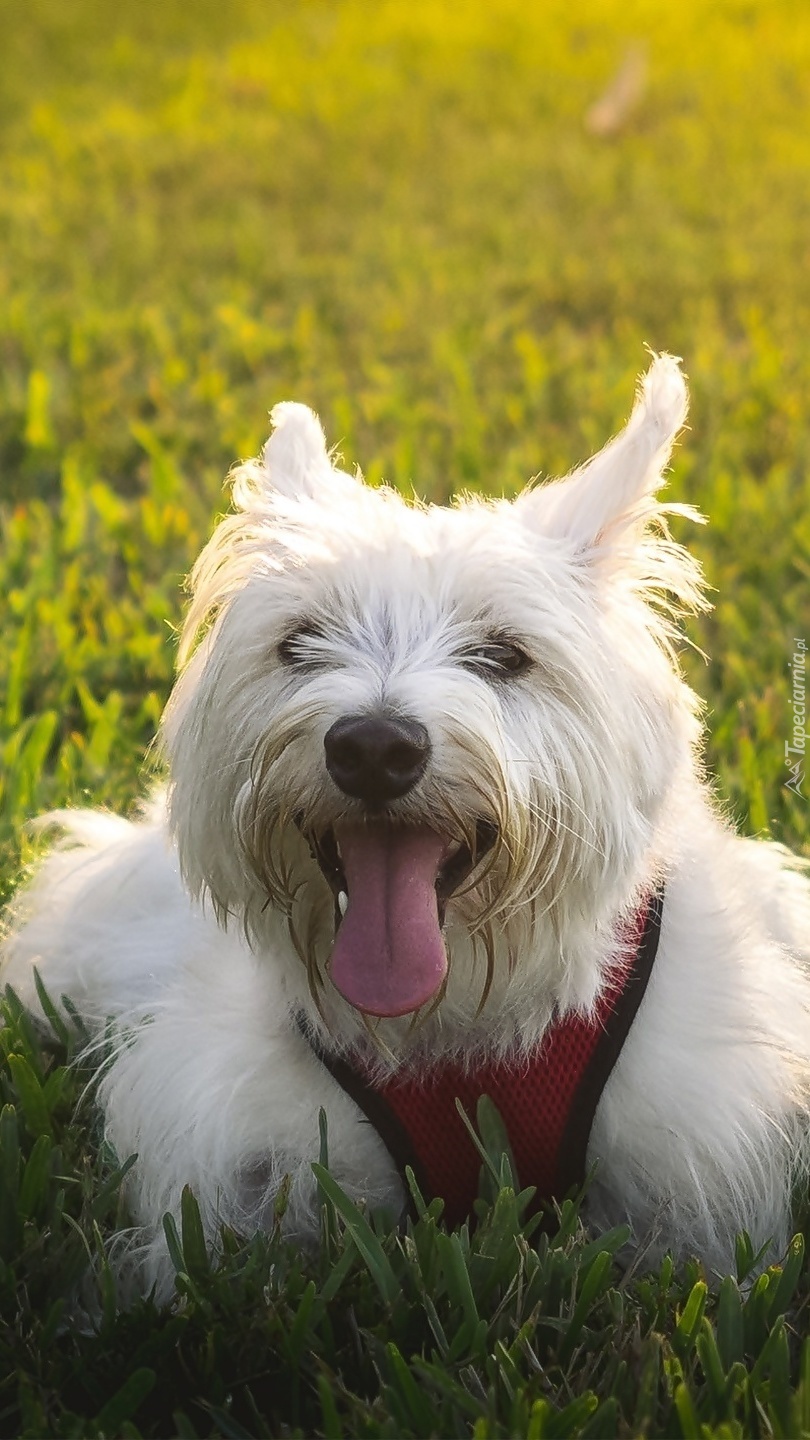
{"x": 435, "y": 812}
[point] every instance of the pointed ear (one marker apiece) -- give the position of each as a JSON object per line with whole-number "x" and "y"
{"x": 613, "y": 492}
{"x": 295, "y": 459}
{"x": 294, "y": 464}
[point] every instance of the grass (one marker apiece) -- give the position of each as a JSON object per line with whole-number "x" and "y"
{"x": 513, "y": 1331}
{"x": 395, "y": 213}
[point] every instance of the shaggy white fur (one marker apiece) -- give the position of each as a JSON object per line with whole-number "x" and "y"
{"x": 533, "y": 642}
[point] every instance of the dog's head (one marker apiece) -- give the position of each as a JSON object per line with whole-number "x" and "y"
{"x": 395, "y": 721}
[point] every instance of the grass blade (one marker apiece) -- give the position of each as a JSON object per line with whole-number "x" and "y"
{"x": 363, "y": 1236}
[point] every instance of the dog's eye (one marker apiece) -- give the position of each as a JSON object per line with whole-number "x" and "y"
{"x": 301, "y": 647}
{"x": 496, "y": 658}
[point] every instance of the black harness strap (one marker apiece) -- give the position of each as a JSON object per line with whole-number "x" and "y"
{"x": 573, "y": 1151}
{"x": 374, "y": 1106}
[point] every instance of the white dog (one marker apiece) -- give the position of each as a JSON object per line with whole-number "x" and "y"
{"x": 433, "y": 794}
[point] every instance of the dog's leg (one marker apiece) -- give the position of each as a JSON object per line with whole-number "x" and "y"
{"x": 218, "y": 1090}
{"x": 703, "y": 1127}
{"x": 209, "y": 1081}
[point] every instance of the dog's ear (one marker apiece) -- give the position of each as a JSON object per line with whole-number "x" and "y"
{"x": 295, "y": 459}
{"x": 607, "y": 501}
{"x": 294, "y": 464}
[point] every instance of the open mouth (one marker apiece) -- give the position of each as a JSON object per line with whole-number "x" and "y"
{"x": 391, "y": 886}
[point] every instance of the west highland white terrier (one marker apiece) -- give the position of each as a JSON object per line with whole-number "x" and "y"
{"x": 435, "y": 825}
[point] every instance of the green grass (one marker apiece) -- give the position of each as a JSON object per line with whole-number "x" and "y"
{"x": 394, "y": 212}
{"x": 513, "y": 1331}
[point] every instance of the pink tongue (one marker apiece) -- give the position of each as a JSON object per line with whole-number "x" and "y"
{"x": 389, "y": 956}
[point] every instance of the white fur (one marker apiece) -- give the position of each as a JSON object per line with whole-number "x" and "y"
{"x": 191, "y": 927}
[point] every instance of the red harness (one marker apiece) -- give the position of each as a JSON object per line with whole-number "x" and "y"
{"x": 547, "y": 1099}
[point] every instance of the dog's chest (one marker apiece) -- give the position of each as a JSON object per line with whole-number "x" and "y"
{"x": 546, "y": 1099}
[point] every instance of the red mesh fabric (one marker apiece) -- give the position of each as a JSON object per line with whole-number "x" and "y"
{"x": 534, "y": 1097}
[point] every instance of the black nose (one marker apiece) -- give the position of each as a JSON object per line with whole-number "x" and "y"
{"x": 376, "y": 759}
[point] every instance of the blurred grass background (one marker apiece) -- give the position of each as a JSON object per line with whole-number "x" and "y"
{"x": 397, "y": 213}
